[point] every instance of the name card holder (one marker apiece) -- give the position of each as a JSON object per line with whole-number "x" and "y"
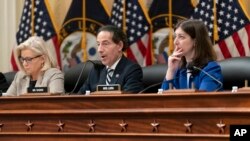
{"x": 40, "y": 94}
{"x": 181, "y": 91}
{"x": 108, "y": 89}
{"x": 39, "y": 91}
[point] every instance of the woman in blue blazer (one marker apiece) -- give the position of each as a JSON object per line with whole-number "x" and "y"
{"x": 193, "y": 61}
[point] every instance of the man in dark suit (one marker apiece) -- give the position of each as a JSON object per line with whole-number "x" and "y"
{"x": 116, "y": 68}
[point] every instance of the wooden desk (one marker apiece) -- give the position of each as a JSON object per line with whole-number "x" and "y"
{"x": 146, "y": 117}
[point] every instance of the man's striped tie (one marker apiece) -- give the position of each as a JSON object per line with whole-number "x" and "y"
{"x": 109, "y": 75}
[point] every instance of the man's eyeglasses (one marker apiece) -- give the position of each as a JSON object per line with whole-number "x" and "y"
{"x": 28, "y": 60}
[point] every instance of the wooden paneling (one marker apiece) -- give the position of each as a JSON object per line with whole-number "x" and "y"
{"x": 196, "y": 116}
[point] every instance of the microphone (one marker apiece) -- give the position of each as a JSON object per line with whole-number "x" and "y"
{"x": 193, "y": 68}
{"x": 3, "y": 83}
{"x": 149, "y": 87}
{"x": 96, "y": 63}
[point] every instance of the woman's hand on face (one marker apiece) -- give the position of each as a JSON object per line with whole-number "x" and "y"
{"x": 174, "y": 59}
{"x": 173, "y": 63}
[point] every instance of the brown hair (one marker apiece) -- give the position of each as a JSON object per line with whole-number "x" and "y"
{"x": 118, "y": 35}
{"x": 204, "y": 51}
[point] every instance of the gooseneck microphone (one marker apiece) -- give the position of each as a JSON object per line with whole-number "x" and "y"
{"x": 149, "y": 87}
{"x": 95, "y": 63}
{"x": 192, "y": 68}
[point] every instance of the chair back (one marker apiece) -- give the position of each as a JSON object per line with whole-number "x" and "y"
{"x": 235, "y": 71}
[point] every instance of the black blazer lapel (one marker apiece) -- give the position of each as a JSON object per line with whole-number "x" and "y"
{"x": 118, "y": 70}
{"x": 103, "y": 75}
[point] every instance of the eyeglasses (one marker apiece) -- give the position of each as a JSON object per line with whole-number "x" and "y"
{"x": 28, "y": 60}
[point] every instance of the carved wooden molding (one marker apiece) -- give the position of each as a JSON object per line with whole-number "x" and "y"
{"x": 155, "y": 126}
{"x": 1, "y": 127}
{"x": 92, "y": 126}
{"x": 60, "y": 126}
{"x": 29, "y": 125}
{"x": 188, "y": 126}
{"x": 124, "y": 126}
{"x": 221, "y": 127}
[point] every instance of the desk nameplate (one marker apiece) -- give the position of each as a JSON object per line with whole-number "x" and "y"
{"x": 40, "y": 94}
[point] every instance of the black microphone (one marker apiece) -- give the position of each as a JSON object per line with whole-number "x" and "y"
{"x": 96, "y": 63}
{"x": 193, "y": 68}
{"x": 3, "y": 83}
{"x": 149, "y": 87}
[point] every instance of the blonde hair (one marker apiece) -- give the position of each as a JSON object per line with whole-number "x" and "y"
{"x": 38, "y": 46}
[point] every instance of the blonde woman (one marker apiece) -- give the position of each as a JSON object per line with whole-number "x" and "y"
{"x": 38, "y": 68}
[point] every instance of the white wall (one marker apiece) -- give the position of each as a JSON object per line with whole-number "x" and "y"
{"x": 10, "y": 11}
